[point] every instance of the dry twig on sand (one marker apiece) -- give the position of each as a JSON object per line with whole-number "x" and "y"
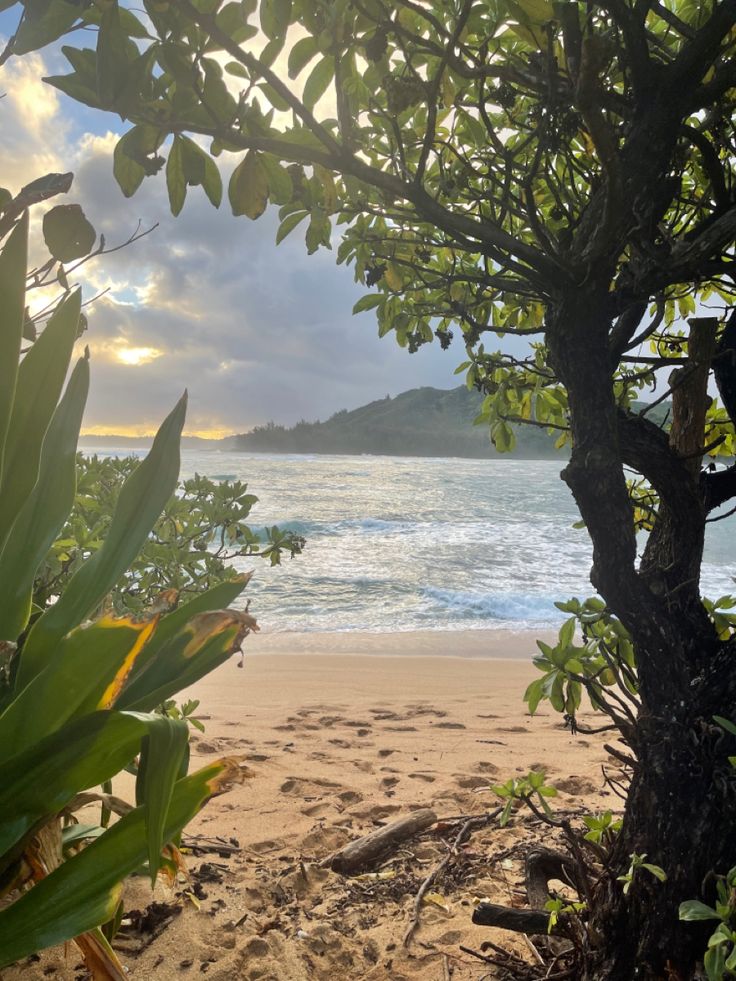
{"x": 469, "y": 824}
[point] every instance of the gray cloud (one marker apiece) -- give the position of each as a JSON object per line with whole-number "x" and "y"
{"x": 255, "y": 331}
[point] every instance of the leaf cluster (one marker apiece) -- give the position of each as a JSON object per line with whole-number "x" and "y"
{"x": 201, "y": 530}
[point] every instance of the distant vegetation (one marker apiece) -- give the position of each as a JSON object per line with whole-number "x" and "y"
{"x": 420, "y": 422}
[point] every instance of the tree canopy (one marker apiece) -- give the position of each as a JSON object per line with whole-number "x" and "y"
{"x": 560, "y": 171}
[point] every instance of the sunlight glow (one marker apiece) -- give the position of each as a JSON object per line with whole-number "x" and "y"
{"x": 137, "y": 355}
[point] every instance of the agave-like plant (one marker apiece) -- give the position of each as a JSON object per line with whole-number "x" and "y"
{"x": 78, "y": 699}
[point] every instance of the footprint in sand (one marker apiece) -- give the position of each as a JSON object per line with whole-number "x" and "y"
{"x": 287, "y": 727}
{"x": 386, "y": 752}
{"x": 388, "y": 782}
{"x": 342, "y": 743}
{"x": 349, "y": 797}
{"x": 485, "y": 767}
{"x": 470, "y": 781}
{"x": 400, "y": 728}
{"x": 511, "y": 728}
{"x": 448, "y": 725}
{"x": 358, "y": 725}
{"x": 426, "y": 777}
{"x": 204, "y": 747}
{"x": 363, "y": 765}
{"x": 257, "y": 757}
{"x": 305, "y": 787}
{"x": 316, "y": 810}
{"x": 576, "y": 786}
{"x": 376, "y": 812}
{"x": 327, "y": 721}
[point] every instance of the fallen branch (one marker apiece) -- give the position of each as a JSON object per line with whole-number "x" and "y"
{"x": 533, "y": 921}
{"x": 201, "y": 845}
{"x": 365, "y": 852}
{"x": 478, "y": 821}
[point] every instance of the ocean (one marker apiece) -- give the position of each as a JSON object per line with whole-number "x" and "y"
{"x": 406, "y": 543}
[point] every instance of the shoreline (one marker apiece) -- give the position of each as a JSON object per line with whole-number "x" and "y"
{"x": 493, "y": 644}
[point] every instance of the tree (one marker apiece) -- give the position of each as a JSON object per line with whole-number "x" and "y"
{"x": 201, "y": 529}
{"x": 559, "y": 171}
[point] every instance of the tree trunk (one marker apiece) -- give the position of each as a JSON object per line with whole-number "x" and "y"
{"x": 679, "y": 812}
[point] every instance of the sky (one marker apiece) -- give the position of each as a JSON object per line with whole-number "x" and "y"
{"x": 207, "y": 301}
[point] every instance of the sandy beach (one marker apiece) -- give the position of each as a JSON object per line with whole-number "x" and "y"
{"x": 342, "y": 733}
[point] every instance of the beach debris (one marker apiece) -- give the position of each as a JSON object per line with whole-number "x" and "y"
{"x": 468, "y": 824}
{"x": 362, "y": 854}
{"x": 376, "y": 876}
{"x": 436, "y": 899}
{"x": 201, "y": 845}
{"x": 139, "y": 928}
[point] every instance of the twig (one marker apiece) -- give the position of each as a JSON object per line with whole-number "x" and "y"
{"x": 480, "y": 957}
{"x": 537, "y": 956}
{"x": 461, "y": 836}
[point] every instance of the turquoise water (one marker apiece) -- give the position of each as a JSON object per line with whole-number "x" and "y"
{"x": 399, "y": 543}
{"x": 404, "y": 543}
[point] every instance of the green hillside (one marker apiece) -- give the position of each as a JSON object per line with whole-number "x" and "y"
{"x": 420, "y": 422}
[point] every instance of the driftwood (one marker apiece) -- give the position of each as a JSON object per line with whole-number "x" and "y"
{"x": 363, "y": 853}
{"x": 542, "y": 865}
{"x": 532, "y": 921}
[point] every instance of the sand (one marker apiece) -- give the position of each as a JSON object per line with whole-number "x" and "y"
{"x": 344, "y": 732}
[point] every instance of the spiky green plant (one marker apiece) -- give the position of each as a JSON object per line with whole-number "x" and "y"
{"x": 78, "y": 697}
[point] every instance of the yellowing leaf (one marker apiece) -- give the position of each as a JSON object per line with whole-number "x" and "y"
{"x": 248, "y": 188}
{"x": 435, "y": 899}
{"x": 376, "y": 876}
{"x": 393, "y": 277}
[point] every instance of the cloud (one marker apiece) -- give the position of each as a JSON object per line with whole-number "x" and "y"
{"x": 254, "y": 331}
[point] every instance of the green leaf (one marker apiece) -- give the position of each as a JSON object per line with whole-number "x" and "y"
{"x": 43, "y": 23}
{"x": 533, "y": 695}
{"x": 200, "y": 169}
{"x": 715, "y": 963}
{"x": 67, "y": 233}
{"x": 693, "y": 910}
{"x": 248, "y": 188}
{"x": 301, "y": 54}
{"x": 280, "y": 187}
{"x": 85, "y": 890}
{"x": 289, "y": 224}
{"x": 89, "y": 666}
{"x": 112, "y": 56}
{"x": 141, "y": 501}
{"x": 274, "y": 16}
{"x": 42, "y": 779}
{"x": 162, "y": 754}
{"x": 319, "y": 78}
{"x": 176, "y": 183}
{"x": 12, "y": 316}
{"x": 368, "y": 302}
{"x": 567, "y": 633}
{"x": 133, "y": 157}
{"x": 725, "y": 724}
{"x": 46, "y": 508}
{"x": 40, "y": 380}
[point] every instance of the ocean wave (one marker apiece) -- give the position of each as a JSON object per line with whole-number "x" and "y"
{"x": 511, "y": 607}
